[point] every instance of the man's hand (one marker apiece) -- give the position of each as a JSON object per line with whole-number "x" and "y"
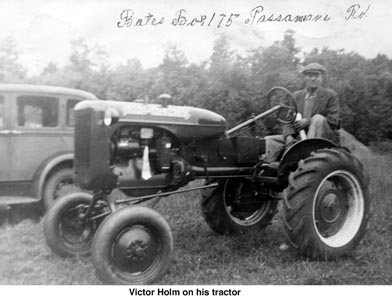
{"x": 289, "y": 140}
{"x": 301, "y": 124}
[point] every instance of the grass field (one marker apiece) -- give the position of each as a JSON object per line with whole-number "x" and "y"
{"x": 203, "y": 257}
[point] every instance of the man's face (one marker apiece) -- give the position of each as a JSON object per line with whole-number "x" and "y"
{"x": 313, "y": 79}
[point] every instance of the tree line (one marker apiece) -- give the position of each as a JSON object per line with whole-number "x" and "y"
{"x": 228, "y": 83}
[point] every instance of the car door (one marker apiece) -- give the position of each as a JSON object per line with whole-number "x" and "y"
{"x": 37, "y": 134}
{"x": 5, "y": 165}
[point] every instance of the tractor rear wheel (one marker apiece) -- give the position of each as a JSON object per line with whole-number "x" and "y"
{"x": 327, "y": 204}
{"x": 236, "y": 207}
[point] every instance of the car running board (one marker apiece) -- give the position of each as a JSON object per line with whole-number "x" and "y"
{"x": 6, "y": 202}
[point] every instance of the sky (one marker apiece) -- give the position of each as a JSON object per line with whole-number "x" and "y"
{"x": 43, "y": 29}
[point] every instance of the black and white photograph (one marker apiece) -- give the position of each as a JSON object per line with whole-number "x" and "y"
{"x": 195, "y": 148}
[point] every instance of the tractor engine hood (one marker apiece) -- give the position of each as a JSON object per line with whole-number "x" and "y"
{"x": 182, "y": 121}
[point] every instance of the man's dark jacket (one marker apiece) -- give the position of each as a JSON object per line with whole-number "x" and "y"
{"x": 326, "y": 104}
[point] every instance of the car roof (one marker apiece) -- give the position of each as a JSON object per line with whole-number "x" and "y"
{"x": 47, "y": 89}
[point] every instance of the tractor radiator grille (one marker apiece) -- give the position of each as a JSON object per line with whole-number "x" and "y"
{"x": 82, "y": 137}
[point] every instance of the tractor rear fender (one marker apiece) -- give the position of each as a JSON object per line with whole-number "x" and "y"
{"x": 301, "y": 150}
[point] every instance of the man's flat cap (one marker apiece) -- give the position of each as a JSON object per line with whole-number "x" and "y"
{"x": 314, "y": 68}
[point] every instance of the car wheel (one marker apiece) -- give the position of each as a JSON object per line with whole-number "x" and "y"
{"x": 59, "y": 184}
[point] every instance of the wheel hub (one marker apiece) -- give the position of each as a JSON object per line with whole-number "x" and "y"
{"x": 77, "y": 226}
{"x": 330, "y": 207}
{"x": 74, "y": 227}
{"x": 135, "y": 249}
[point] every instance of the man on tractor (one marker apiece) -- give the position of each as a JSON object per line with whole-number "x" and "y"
{"x": 320, "y": 111}
{"x": 325, "y": 188}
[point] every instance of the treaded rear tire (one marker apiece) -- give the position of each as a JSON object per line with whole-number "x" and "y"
{"x": 216, "y": 213}
{"x": 327, "y": 204}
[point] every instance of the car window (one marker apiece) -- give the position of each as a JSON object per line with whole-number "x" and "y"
{"x": 38, "y": 111}
{"x": 70, "y": 111}
{"x": 1, "y": 111}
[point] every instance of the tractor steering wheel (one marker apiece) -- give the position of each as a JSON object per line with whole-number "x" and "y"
{"x": 280, "y": 96}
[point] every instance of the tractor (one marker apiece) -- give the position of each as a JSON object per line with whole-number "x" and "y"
{"x": 151, "y": 151}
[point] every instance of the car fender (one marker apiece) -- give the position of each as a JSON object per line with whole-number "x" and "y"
{"x": 46, "y": 167}
{"x": 302, "y": 150}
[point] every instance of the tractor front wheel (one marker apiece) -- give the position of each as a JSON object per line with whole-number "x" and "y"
{"x": 132, "y": 246}
{"x": 67, "y": 231}
{"x": 327, "y": 204}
